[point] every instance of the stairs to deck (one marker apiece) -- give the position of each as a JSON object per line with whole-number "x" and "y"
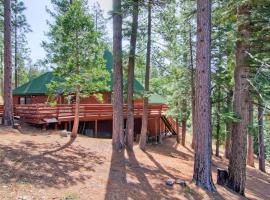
{"x": 168, "y": 125}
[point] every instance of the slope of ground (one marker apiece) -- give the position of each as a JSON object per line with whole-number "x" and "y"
{"x": 32, "y": 168}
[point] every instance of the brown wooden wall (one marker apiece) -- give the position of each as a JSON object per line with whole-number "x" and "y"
{"x": 155, "y": 126}
{"x": 34, "y": 99}
{"x": 37, "y": 99}
{"x": 62, "y": 100}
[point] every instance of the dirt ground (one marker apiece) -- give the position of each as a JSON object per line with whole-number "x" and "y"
{"x": 31, "y": 167}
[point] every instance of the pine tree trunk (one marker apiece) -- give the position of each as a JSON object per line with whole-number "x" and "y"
{"x": 184, "y": 121}
{"x": 8, "y": 101}
{"x": 218, "y": 137}
{"x": 237, "y": 162}
{"x": 76, "y": 114}
{"x": 16, "y": 47}
{"x": 218, "y": 123}
{"x": 261, "y": 139}
{"x": 147, "y": 77}
{"x": 118, "y": 118}
{"x": 192, "y": 88}
{"x": 250, "y": 154}
{"x": 131, "y": 65}
{"x": 184, "y": 131}
{"x": 228, "y": 140}
{"x": 202, "y": 121}
{"x": 77, "y": 93}
{"x": 2, "y": 86}
{"x": 228, "y": 127}
{"x": 2, "y": 74}
{"x": 178, "y": 139}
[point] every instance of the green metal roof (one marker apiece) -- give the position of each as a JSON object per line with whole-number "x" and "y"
{"x": 38, "y": 86}
{"x": 156, "y": 99}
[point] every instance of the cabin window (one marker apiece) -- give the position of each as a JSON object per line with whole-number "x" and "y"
{"x": 22, "y": 100}
{"x": 28, "y": 100}
{"x": 25, "y": 100}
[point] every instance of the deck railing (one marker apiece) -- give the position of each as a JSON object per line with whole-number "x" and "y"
{"x": 42, "y": 113}
{"x": 1, "y": 110}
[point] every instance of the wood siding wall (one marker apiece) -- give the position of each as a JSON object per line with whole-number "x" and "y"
{"x": 37, "y": 99}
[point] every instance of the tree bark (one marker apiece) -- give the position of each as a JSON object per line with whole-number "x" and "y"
{"x": 237, "y": 162}
{"x": 76, "y": 114}
{"x": 147, "y": 77}
{"x": 218, "y": 138}
{"x": 8, "y": 101}
{"x": 16, "y": 47}
{"x": 192, "y": 88}
{"x": 118, "y": 118}
{"x": 131, "y": 65}
{"x": 250, "y": 154}
{"x": 177, "y": 131}
{"x": 218, "y": 123}
{"x": 261, "y": 139}
{"x": 228, "y": 127}
{"x": 77, "y": 93}
{"x": 2, "y": 86}
{"x": 202, "y": 121}
{"x": 2, "y": 73}
{"x": 184, "y": 131}
{"x": 228, "y": 140}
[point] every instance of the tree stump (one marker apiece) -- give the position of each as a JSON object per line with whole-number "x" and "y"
{"x": 17, "y": 126}
{"x": 222, "y": 176}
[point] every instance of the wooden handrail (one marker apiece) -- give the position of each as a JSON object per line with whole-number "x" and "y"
{"x": 1, "y": 110}
{"x": 39, "y": 112}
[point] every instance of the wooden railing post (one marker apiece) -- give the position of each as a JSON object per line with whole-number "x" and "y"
{"x": 57, "y": 112}
{"x": 156, "y": 127}
{"x": 96, "y": 128}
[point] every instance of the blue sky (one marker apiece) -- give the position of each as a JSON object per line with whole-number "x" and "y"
{"x": 36, "y": 16}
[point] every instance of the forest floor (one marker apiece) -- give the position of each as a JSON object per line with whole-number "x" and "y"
{"x": 32, "y": 168}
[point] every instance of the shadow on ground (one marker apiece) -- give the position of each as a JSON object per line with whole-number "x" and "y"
{"x": 131, "y": 178}
{"x": 128, "y": 179}
{"x": 25, "y": 163}
{"x": 169, "y": 148}
{"x": 257, "y": 183}
{"x": 132, "y": 175}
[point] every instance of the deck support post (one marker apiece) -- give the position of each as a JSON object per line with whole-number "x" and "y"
{"x": 69, "y": 126}
{"x": 96, "y": 128}
{"x": 156, "y": 129}
{"x": 56, "y": 126}
{"x": 159, "y": 124}
{"x": 66, "y": 126}
{"x": 161, "y": 130}
{"x": 44, "y": 127}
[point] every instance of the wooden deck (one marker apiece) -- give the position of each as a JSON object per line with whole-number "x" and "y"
{"x": 42, "y": 113}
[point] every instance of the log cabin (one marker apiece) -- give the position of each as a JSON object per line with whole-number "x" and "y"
{"x": 31, "y": 106}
